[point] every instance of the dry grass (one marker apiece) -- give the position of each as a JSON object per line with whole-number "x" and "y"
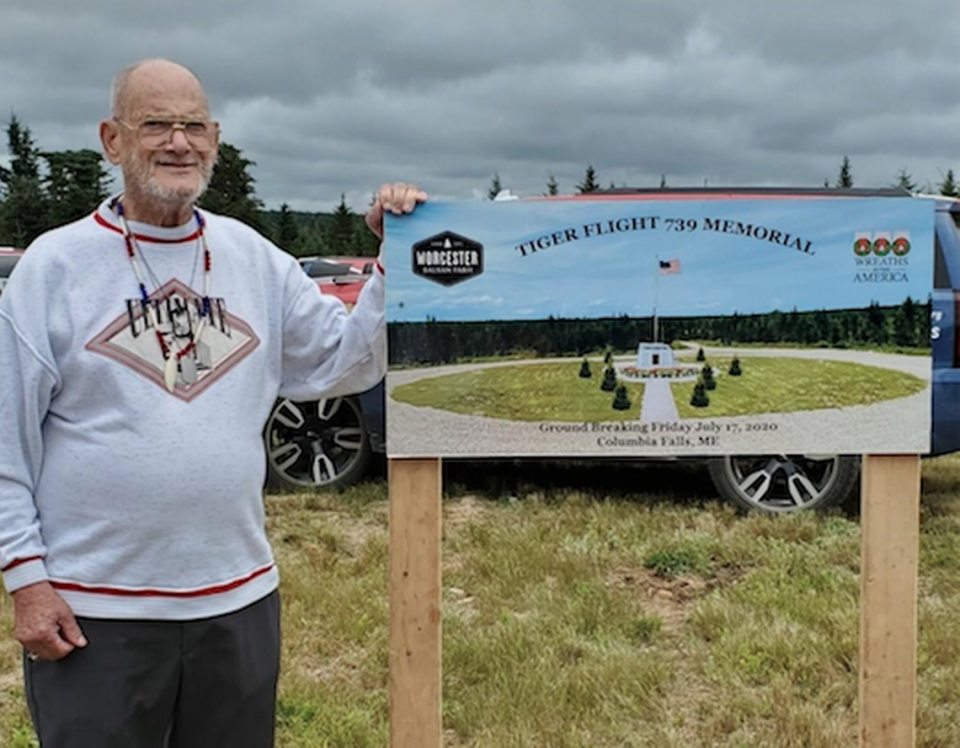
{"x": 579, "y": 611}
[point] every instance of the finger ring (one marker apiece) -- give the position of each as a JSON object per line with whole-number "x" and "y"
{"x": 33, "y": 656}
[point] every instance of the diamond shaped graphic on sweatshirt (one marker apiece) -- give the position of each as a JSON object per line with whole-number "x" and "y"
{"x": 174, "y": 311}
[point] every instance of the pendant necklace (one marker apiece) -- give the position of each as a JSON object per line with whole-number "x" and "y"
{"x": 177, "y": 360}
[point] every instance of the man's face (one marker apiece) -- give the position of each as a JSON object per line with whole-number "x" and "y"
{"x": 177, "y": 173}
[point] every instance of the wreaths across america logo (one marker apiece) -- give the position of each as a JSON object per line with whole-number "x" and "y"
{"x": 881, "y": 256}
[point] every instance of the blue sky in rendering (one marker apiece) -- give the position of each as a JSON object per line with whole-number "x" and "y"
{"x": 617, "y": 273}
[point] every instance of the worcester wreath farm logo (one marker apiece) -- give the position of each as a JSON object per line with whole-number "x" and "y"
{"x": 447, "y": 258}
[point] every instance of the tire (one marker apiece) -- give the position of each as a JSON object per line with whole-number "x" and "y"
{"x": 784, "y": 483}
{"x": 318, "y": 444}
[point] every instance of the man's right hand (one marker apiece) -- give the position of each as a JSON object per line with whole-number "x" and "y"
{"x": 44, "y": 623}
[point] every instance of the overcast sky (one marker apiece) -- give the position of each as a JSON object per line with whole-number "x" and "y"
{"x": 331, "y": 97}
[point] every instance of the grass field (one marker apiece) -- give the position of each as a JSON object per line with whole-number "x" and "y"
{"x": 555, "y": 392}
{"x": 594, "y": 606}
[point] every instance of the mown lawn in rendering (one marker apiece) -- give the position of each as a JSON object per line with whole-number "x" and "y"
{"x": 554, "y": 391}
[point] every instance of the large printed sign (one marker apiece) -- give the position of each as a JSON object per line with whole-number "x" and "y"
{"x": 624, "y": 326}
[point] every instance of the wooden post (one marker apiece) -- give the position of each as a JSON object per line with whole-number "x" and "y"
{"x": 889, "y": 560}
{"x": 415, "y": 659}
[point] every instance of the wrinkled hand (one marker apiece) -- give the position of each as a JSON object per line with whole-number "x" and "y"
{"x": 44, "y": 623}
{"x": 398, "y": 198}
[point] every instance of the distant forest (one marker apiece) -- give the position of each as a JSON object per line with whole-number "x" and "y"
{"x": 433, "y": 342}
{"x": 42, "y": 189}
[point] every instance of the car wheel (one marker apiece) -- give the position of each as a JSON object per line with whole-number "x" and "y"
{"x": 316, "y": 444}
{"x": 785, "y": 483}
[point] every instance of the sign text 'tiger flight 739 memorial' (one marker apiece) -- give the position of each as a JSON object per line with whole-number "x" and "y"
{"x": 623, "y": 326}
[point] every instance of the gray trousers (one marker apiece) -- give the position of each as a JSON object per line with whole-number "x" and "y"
{"x": 163, "y": 684}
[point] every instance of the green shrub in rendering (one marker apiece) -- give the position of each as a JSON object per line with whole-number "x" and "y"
{"x": 735, "y": 370}
{"x": 708, "y": 381}
{"x": 609, "y": 383}
{"x": 699, "y": 399}
{"x": 585, "y": 372}
{"x": 608, "y": 356}
{"x": 701, "y": 356}
{"x": 622, "y": 400}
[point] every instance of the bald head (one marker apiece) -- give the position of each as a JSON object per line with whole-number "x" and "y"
{"x": 153, "y": 78}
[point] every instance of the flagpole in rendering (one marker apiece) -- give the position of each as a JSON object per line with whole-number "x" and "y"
{"x": 656, "y": 298}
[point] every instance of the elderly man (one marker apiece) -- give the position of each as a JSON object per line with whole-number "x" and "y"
{"x": 131, "y": 529}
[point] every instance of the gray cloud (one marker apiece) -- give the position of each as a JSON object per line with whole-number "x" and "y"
{"x": 332, "y": 98}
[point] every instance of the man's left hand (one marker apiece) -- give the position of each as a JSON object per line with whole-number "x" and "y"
{"x": 398, "y": 198}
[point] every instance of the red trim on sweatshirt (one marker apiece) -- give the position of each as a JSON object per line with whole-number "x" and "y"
{"x": 120, "y": 592}
{"x": 143, "y": 237}
{"x": 19, "y": 561}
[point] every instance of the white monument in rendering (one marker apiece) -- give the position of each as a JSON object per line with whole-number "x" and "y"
{"x": 654, "y": 355}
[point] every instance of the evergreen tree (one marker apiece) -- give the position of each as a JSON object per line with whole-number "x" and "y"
{"x": 663, "y": 182}
{"x": 552, "y": 187}
{"x": 905, "y": 181}
{"x": 76, "y": 184}
{"x": 699, "y": 398}
{"x": 341, "y": 231}
{"x": 701, "y": 356}
{"x": 287, "y": 233}
{"x": 585, "y": 372}
{"x": 707, "y": 374}
{"x": 231, "y": 191}
{"x": 609, "y": 383}
{"x": 495, "y": 186}
{"x": 25, "y": 208}
{"x": 735, "y": 370}
{"x": 589, "y": 183}
{"x": 608, "y": 356}
{"x": 845, "y": 177}
{"x": 905, "y": 324}
{"x": 949, "y": 186}
{"x": 622, "y": 400}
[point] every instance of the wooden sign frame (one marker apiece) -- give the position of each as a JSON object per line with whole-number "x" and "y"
{"x": 890, "y": 525}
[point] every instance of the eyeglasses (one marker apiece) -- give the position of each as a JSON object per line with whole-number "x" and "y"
{"x": 155, "y": 133}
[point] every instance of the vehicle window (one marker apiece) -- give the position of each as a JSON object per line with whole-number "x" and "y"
{"x": 6, "y": 265}
{"x": 325, "y": 269}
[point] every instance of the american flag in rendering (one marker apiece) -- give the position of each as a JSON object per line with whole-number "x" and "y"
{"x": 669, "y": 267}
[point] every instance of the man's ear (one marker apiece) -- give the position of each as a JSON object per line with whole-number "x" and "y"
{"x": 110, "y": 139}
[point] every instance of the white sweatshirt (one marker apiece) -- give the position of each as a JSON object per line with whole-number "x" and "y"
{"x": 135, "y": 502}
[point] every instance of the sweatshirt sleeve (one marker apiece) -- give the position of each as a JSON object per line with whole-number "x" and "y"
{"x": 327, "y": 351}
{"x": 27, "y": 384}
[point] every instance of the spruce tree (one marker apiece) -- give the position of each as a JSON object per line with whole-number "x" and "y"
{"x": 708, "y": 381}
{"x": 699, "y": 399}
{"x": 231, "y": 191}
{"x": 845, "y": 177}
{"x": 701, "y": 356}
{"x": 25, "y": 209}
{"x": 552, "y": 187}
{"x": 76, "y": 183}
{"x": 622, "y": 400}
{"x": 287, "y": 233}
{"x": 342, "y": 229}
{"x": 589, "y": 183}
{"x": 495, "y": 186}
{"x": 608, "y": 356}
{"x": 905, "y": 181}
{"x": 585, "y": 372}
{"x": 609, "y": 383}
{"x": 735, "y": 370}
{"x": 949, "y": 186}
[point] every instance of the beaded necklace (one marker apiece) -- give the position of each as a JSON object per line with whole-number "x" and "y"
{"x": 181, "y": 360}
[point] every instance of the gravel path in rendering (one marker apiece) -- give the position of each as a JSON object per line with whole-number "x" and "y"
{"x": 429, "y": 432}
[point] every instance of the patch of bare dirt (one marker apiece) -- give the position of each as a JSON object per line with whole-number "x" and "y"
{"x": 671, "y": 598}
